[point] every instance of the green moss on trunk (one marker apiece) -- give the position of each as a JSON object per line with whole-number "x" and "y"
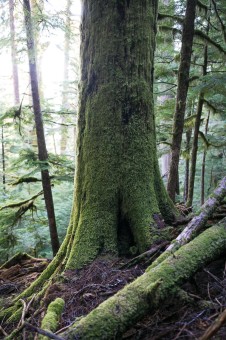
{"x": 118, "y": 184}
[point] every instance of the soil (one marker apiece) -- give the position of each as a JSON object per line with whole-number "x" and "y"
{"x": 84, "y": 290}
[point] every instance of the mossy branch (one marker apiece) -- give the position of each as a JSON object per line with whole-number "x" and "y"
{"x": 163, "y": 16}
{"x": 210, "y": 106}
{"x": 207, "y": 143}
{"x": 21, "y": 203}
{"x": 198, "y": 34}
{"x": 206, "y": 39}
{"x": 201, "y": 5}
{"x": 26, "y": 180}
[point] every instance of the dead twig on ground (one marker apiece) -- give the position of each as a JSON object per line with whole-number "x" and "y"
{"x": 214, "y": 328}
{"x": 42, "y": 331}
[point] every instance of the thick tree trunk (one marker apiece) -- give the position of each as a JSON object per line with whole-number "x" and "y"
{"x": 182, "y": 89}
{"x": 118, "y": 182}
{"x": 42, "y": 151}
{"x": 111, "y": 318}
{"x": 119, "y": 191}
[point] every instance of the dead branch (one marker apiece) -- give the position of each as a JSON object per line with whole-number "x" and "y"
{"x": 197, "y": 223}
{"x": 146, "y": 255}
{"x": 3, "y": 331}
{"x": 214, "y": 328}
{"x": 21, "y": 203}
{"x": 42, "y": 331}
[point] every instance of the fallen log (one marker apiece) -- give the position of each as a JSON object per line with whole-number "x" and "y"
{"x": 197, "y": 223}
{"x": 115, "y": 315}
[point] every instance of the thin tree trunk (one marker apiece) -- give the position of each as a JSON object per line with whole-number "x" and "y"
{"x": 204, "y": 164}
{"x": 67, "y": 36}
{"x": 187, "y": 164}
{"x": 3, "y": 160}
{"x": 194, "y": 150}
{"x": 37, "y": 7}
{"x": 42, "y": 151}
{"x": 182, "y": 89}
{"x": 196, "y": 135}
{"x": 13, "y": 53}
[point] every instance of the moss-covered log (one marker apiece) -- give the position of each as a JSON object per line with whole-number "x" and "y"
{"x": 51, "y": 320}
{"x": 115, "y": 315}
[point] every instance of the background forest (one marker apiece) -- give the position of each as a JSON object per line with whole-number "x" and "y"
{"x": 23, "y": 219}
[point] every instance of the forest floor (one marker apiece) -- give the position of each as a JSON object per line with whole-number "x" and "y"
{"x": 82, "y": 291}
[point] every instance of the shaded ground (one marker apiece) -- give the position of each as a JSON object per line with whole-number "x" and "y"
{"x": 185, "y": 318}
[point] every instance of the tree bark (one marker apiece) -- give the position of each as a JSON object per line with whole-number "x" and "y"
{"x": 42, "y": 151}
{"x": 3, "y": 161}
{"x": 204, "y": 164}
{"x": 196, "y": 132}
{"x": 115, "y": 315}
{"x": 119, "y": 191}
{"x": 182, "y": 89}
{"x": 187, "y": 163}
{"x": 192, "y": 170}
{"x": 13, "y": 53}
{"x": 65, "y": 104}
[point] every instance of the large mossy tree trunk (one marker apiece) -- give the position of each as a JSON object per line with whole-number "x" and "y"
{"x": 119, "y": 192}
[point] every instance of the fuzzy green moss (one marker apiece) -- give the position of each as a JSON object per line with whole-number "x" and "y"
{"x": 118, "y": 186}
{"x": 51, "y": 319}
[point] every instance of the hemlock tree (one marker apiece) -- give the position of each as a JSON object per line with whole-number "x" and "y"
{"x": 182, "y": 90}
{"x": 119, "y": 194}
{"x": 42, "y": 150}
{"x": 15, "y": 75}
